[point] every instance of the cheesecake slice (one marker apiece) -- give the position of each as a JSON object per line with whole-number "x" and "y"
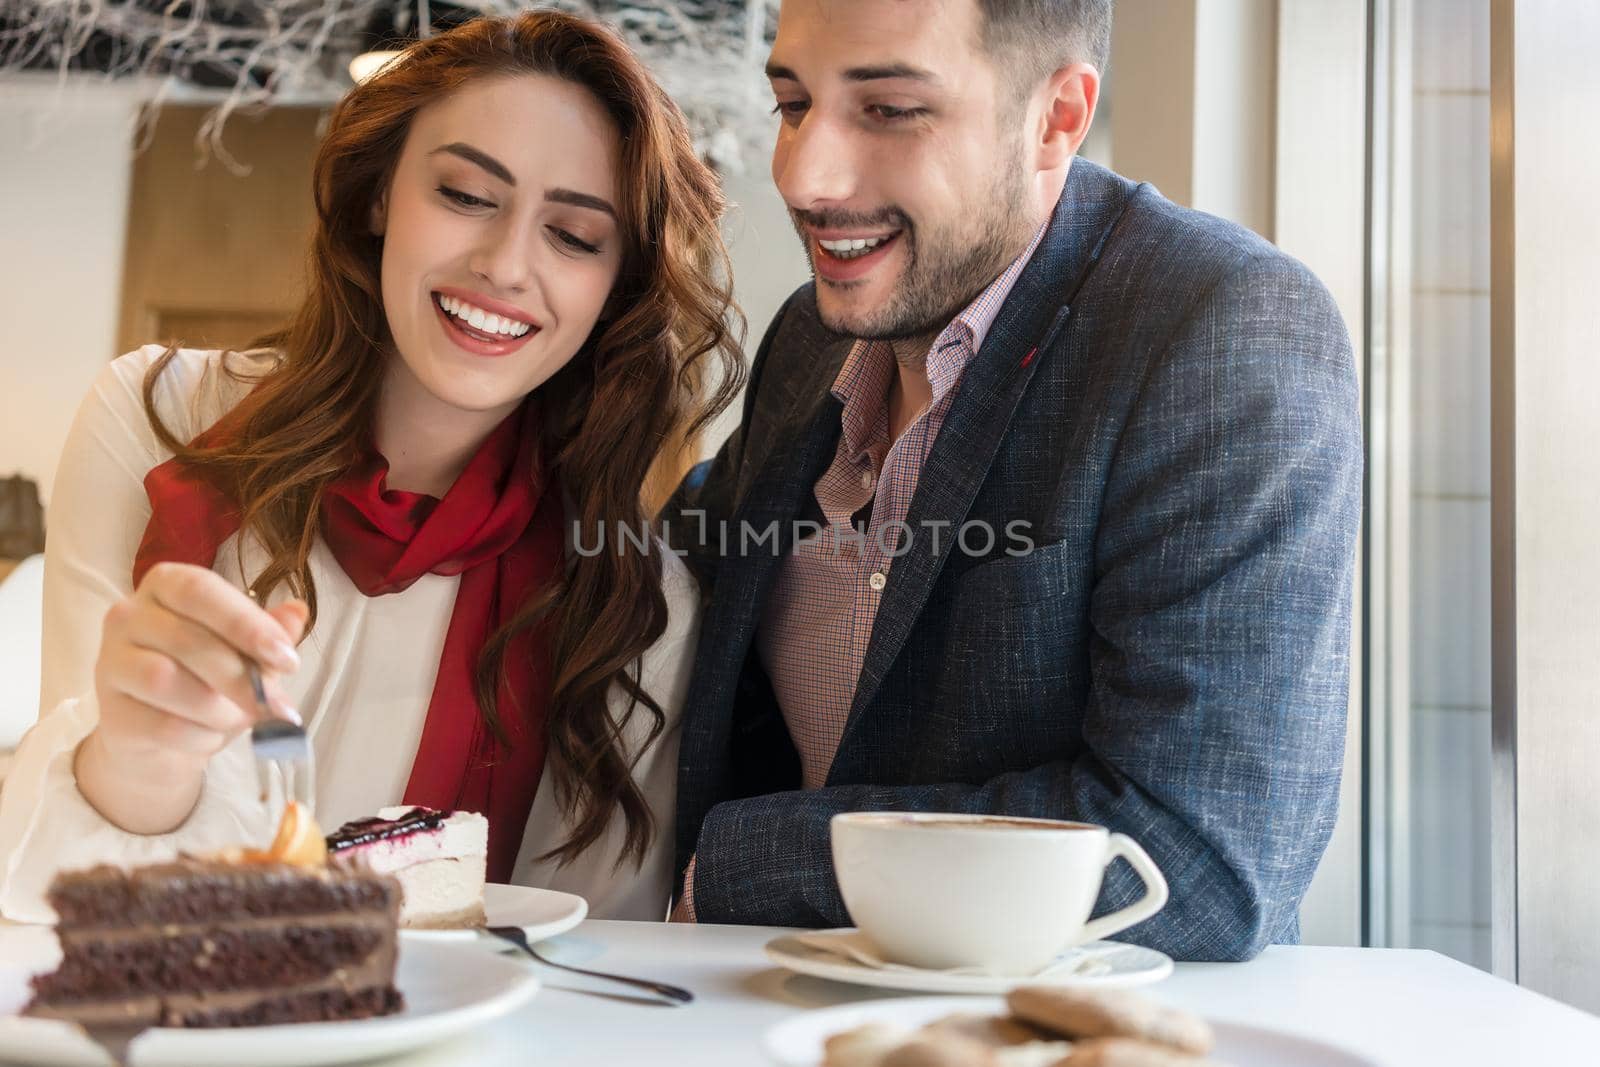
{"x": 438, "y": 857}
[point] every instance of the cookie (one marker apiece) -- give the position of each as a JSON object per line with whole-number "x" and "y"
{"x": 1084, "y": 1014}
{"x": 1034, "y": 1054}
{"x": 1127, "y": 1052}
{"x": 993, "y": 1031}
{"x": 940, "y": 1050}
{"x": 865, "y": 1046}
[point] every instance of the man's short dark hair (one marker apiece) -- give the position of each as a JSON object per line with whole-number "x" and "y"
{"x": 1029, "y": 39}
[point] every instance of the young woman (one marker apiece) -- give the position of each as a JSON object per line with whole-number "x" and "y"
{"x": 515, "y": 282}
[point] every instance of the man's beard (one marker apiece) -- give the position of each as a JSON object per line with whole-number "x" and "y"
{"x": 943, "y": 274}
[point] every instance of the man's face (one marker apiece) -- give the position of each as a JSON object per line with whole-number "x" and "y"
{"x": 900, "y": 159}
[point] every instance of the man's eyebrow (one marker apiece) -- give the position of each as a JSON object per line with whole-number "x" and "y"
{"x": 891, "y": 70}
{"x": 577, "y": 199}
{"x": 882, "y": 72}
{"x": 481, "y": 158}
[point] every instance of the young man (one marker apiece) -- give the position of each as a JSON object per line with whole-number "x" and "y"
{"x": 1088, "y": 467}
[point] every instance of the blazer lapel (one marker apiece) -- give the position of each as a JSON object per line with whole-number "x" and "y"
{"x": 799, "y": 455}
{"x": 798, "y": 451}
{"x": 986, "y": 400}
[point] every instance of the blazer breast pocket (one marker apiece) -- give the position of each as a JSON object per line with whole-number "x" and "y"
{"x": 1003, "y": 664}
{"x": 1017, "y": 618}
{"x": 1044, "y": 572}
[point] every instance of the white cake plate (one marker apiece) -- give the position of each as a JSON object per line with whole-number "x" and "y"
{"x": 542, "y": 914}
{"x": 450, "y": 990}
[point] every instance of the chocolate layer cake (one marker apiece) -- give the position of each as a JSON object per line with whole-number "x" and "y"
{"x": 439, "y": 858}
{"x": 208, "y": 942}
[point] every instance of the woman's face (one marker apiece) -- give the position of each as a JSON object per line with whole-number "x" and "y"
{"x": 500, "y": 242}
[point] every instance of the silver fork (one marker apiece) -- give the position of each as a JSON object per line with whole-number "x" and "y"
{"x": 279, "y": 741}
{"x": 517, "y": 936}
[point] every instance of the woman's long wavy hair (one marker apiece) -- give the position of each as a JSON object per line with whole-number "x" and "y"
{"x": 634, "y": 389}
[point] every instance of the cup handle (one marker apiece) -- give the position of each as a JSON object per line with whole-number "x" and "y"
{"x": 1154, "y": 899}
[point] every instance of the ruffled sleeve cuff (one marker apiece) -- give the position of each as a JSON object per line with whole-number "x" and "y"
{"x": 47, "y": 826}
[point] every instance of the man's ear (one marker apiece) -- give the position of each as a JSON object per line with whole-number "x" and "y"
{"x": 1069, "y": 103}
{"x": 380, "y": 214}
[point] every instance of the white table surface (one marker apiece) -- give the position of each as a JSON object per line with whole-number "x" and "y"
{"x": 1399, "y": 1007}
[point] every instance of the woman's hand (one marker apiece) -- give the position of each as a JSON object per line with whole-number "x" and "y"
{"x": 174, "y": 690}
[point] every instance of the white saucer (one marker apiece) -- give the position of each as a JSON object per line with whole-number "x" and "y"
{"x": 449, "y": 990}
{"x": 797, "y": 1042}
{"x": 1120, "y": 966}
{"x": 542, "y": 914}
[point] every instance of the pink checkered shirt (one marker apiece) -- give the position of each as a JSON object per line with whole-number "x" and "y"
{"x": 816, "y": 625}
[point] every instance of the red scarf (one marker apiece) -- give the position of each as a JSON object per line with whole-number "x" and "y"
{"x": 498, "y": 529}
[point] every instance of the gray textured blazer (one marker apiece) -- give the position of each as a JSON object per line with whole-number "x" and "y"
{"x": 1170, "y": 404}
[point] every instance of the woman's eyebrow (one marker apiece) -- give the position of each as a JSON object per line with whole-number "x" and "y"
{"x": 479, "y": 157}
{"x": 577, "y": 199}
{"x": 501, "y": 171}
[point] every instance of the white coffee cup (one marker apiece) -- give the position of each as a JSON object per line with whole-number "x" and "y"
{"x": 991, "y": 891}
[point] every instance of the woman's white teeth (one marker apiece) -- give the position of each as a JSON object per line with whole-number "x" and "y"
{"x": 480, "y": 319}
{"x": 852, "y": 247}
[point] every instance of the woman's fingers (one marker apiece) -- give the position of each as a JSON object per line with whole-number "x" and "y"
{"x": 201, "y": 653}
{"x": 174, "y": 733}
{"x": 292, "y": 616}
{"x": 178, "y": 648}
{"x": 152, "y": 688}
{"x": 210, "y": 600}
{"x": 175, "y": 690}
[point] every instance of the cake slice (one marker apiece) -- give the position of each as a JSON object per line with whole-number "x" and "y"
{"x": 438, "y": 857}
{"x": 240, "y": 939}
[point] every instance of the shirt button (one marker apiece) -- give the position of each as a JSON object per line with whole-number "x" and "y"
{"x": 866, "y": 479}
{"x": 878, "y": 581}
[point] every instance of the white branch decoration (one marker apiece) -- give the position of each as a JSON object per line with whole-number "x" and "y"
{"x": 707, "y": 53}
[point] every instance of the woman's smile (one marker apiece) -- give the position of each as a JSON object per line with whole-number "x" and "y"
{"x": 482, "y": 327}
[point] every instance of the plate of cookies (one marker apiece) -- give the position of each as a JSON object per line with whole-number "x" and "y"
{"x": 1037, "y": 1026}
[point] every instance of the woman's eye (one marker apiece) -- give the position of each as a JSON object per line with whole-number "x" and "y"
{"x": 464, "y": 199}
{"x": 790, "y": 109}
{"x": 574, "y": 242}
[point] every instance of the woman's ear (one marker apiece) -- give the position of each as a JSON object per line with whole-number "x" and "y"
{"x": 380, "y": 214}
